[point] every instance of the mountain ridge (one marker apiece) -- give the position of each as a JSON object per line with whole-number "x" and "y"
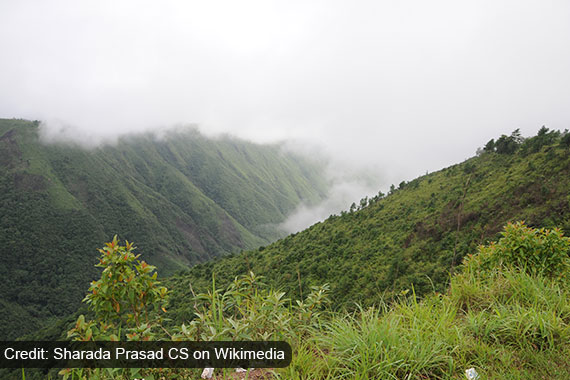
{"x": 183, "y": 199}
{"x": 415, "y": 236}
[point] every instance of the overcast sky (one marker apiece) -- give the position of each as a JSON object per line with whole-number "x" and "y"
{"x": 398, "y": 86}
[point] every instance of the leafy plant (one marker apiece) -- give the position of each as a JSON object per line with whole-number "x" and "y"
{"x": 127, "y": 299}
{"x": 127, "y": 303}
{"x": 536, "y": 251}
{"x": 249, "y": 310}
{"x": 495, "y": 313}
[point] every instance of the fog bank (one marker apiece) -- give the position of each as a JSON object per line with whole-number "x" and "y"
{"x": 406, "y": 86}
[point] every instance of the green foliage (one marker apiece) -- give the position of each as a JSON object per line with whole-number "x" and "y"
{"x": 249, "y": 310}
{"x": 412, "y": 237}
{"x": 127, "y": 299}
{"x": 543, "y": 138}
{"x": 510, "y": 304}
{"x": 382, "y": 344}
{"x": 536, "y": 251}
{"x": 565, "y": 139}
{"x": 127, "y": 303}
{"x": 183, "y": 198}
{"x": 514, "y": 308}
{"x": 504, "y": 321}
{"x": 509, "y": 144}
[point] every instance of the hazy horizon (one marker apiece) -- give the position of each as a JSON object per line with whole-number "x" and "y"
{"x": 393, "y": 89}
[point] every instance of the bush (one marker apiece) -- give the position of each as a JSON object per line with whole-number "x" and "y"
{"x": 535, "y": 251}
{"x": 127, "y": 303}
{"x": 126, "y": 298}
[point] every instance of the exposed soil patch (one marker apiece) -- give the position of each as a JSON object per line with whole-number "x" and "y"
{"x": 29, "y": 182}
{"x": 80, "y": 190}
{"x": 192, "y": 236}
{"x": 229, "y": 230}
{"x": 10, "y": 153}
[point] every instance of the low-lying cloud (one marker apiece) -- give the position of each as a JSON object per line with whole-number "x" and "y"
{"x": 341, "y": 195}
{"x": 348, "y": 183}
{"x": 405, "y": 86}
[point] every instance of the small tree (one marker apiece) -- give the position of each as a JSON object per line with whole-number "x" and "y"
{"x": 509, "y": 144}
{"x": 353, "y": 207}
{"x": 127, "y": 302}
{"x": 363, "y": 203}
{"x": 127, "y": 298}
{"x": 544, "y": 137}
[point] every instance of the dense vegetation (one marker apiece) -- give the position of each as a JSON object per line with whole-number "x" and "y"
{"x": 506, "y": 314}
{"x": 418, "y": 234}
{"x": 381, "y": 289}
{"x": 183, "y": 198}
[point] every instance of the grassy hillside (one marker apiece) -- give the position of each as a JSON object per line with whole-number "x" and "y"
{"x": 505, "y": 315}
{"x": 417, "y": 234}
{"x": 183, "y": 198}
{"x": 500, "y": 308}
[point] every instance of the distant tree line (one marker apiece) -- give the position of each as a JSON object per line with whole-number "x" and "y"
{"x": 505, "y": 145}
{"x": 516, "y": 143}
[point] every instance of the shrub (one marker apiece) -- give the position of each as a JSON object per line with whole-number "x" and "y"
{"x": 127, "y": 303}
{"x": 126, "y": 298}
{"x": 535, "y": 251}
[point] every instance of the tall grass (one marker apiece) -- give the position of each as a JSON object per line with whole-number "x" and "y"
{"x": 512, "y": 325}
{"x": 505, "y": 320}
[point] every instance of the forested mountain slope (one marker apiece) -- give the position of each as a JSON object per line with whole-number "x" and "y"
{"x": 183, "y": 199}
{"x": 417, "y": 234}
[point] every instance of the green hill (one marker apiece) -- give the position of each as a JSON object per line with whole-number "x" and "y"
{"x": 505, "y": 315}
{"x": 416, "y": 235}
{"x": 183, "y": 199}
{"x": 503, "y": 312}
